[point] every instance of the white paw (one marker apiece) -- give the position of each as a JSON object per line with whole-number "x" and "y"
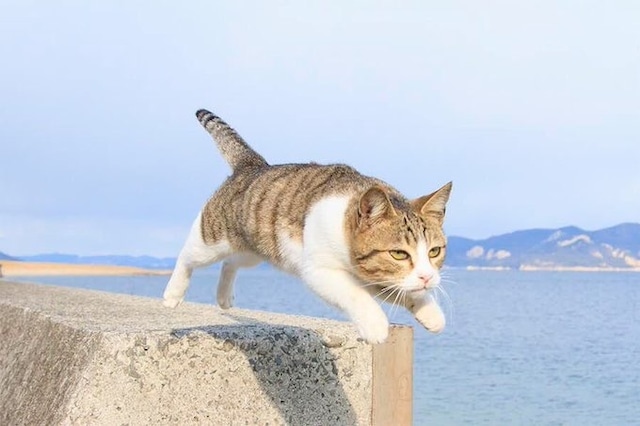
{"x": 431, "y": 317}
{"x": 225, "y": 302}
{"x": 171, "y": 302}
{"x": 373, "y": 328}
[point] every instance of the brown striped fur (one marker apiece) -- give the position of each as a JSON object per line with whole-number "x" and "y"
{"x": 254, "y": 204}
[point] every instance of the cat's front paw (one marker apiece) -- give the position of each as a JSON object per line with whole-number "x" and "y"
{"x": 431, "y": 317}
{"x": 374, "y": 328}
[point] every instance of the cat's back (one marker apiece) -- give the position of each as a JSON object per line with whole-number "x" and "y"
{"x": 288, "y": 191}
{"x": 264, "y": 206}
{"x": 309, "y": 181}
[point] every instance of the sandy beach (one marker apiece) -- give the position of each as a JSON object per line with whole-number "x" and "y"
{"x": 14, "y": 269}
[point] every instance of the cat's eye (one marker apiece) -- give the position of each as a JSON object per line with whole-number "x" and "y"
{"x": 399, "y": 254}
{"x": 435, "y": 252}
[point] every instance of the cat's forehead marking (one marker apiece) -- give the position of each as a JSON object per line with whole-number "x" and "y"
{"x": 414, "y": 228}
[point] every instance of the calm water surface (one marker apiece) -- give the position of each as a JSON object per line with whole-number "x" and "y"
{"x": 521, "y": 348}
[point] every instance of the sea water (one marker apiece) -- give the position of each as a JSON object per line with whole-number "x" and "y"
{"x": 520, "y": 348}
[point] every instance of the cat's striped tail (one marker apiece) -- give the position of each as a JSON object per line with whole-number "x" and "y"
{"x": 233, "y": 148}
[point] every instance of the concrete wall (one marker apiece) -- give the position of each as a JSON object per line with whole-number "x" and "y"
{"x": 71, "y": 356}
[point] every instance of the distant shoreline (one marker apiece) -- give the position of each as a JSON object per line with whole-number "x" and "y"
{"x": 11, "y": 268}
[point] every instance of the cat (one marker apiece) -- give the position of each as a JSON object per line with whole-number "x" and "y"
{"x": 349, "y": 237}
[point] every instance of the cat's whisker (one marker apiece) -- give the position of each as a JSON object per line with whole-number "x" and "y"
{"x": 440, "y": 290}
{"x": 404, "y": 298}
{"x": 380, "y": 296}
{"x": 389, "y": 290}
{"x": 445, "y": 293}
{"x": 394, "y": 305}
{"x": 391, "y": 285}
{"x": 388, "y": 296}
{"x": 399, "y": 297}
{"x": 446, "y": 277}
{"x": 394, "y": 288}
{"x": 383, "y": 282}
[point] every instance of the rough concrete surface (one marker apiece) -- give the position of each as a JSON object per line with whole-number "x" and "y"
{"x": 79, "y": 357}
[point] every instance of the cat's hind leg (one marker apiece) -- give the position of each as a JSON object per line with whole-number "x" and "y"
{"x": 230, "y": 267}
{"x": 194, "y": 254}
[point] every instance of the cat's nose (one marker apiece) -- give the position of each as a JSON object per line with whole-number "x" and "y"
{"x": 425, "y": 278}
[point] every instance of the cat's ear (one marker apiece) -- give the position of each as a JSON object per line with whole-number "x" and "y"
{"x": 374, "y": 205}
{"x": 433, "y": 205}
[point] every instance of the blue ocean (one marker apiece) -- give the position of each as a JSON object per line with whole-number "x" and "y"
{"x": 520, "y": 348}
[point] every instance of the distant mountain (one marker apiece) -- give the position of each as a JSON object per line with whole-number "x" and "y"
{"x": 617, "y": 247}
{"x": 6, "y": 257}
{"x": 136, "y": 261}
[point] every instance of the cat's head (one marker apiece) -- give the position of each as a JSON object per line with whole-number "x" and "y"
{"x": 399, "y": 243}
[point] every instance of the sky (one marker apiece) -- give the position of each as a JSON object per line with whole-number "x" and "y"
{"x": 531, "y": 108}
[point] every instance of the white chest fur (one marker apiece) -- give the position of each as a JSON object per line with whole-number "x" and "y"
{"x": 325, "y": 244}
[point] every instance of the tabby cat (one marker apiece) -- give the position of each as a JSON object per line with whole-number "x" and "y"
{"x": 349, "y": 237}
